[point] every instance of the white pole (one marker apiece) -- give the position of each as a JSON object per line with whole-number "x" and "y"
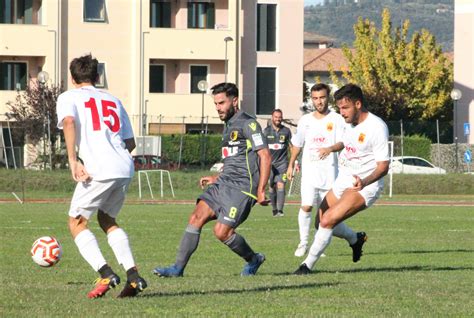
{"x": 439, "y": 149}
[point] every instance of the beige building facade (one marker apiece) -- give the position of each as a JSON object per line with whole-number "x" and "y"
{"x": 152, "y": 54}
{"x": 464, "y": 69}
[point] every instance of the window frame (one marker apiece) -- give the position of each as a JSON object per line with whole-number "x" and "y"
{"x": 94, "y": 20}
{"x": 208, "y": 67}
{"x": 208, "y": 23}
{"x": 164, "y": 78}
{"x": 170, "y": 13}
{"x": 102, "y": 78}
{"x": 256, "y": 88}
{"x": 26, "y": 74}
{"x": 257, "y": 29}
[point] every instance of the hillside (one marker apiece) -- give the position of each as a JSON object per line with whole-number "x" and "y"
{"x": 335, "y": 18}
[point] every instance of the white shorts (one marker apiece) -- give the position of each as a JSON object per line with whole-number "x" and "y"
{"x": 311, "y": 195}
{"x": 105, "y": 195}
{"x": 370, "y": 193}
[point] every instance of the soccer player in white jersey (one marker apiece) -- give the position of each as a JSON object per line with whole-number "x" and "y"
{"x": 319, "y": 134}
{"x": 362, "y": 164}
{"x": 97, "y": 131}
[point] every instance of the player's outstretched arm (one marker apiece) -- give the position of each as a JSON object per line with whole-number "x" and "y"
{"x": 265, "y": 166}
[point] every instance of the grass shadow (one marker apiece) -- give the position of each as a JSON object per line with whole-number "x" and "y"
{"x": 238, "y": 291}
{"x": 414, "y": 268}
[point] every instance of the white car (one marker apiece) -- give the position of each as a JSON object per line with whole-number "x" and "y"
{"x": 414, "y": 165}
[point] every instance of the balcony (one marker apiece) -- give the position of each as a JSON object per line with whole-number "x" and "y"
{"x": 189, "y": 44}
{"x": 26, "y": 40}
{"x": 173, "y": 107}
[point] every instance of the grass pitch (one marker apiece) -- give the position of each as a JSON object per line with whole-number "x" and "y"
{"x": 418, "y": 261}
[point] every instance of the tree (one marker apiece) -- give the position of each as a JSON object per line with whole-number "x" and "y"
{"x": 32, "y": 109}
{"x": 401, "y": 79}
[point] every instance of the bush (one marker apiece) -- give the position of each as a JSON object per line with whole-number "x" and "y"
{"x": 416, "y": 145}
{"x": 191, "y": 148}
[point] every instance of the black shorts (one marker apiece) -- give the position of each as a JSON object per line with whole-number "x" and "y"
{"x": 276, "y": 176}
{"x": 231, "y": 206}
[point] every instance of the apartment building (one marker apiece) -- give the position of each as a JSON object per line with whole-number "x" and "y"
{"x": 153, "y": 54}
{"x": 464, "y": 69}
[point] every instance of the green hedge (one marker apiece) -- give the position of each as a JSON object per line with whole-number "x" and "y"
{"x": 191, "y": 148}
{"x": 415, "y": 145}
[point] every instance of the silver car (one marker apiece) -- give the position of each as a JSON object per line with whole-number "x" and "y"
{"x": 414, "y": 165}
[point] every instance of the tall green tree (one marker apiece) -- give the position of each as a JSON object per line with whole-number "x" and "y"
{"x": 401, "y": 78}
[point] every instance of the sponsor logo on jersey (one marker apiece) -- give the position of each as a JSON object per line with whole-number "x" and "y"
{"x": 282, "y": 138}
{"x": 351, "y": 149}
{"x": 229, "y": 151}
{"x": 319, "y": 140}
{"x": 257, "y": 139}
{"x": 361, "y": 138}
{"x": 233, "y": 135}
{"x": 275, "y": 146}
{"x": 253, "y": 126}
{"x": 234, "y": 143}
{"x": 329, "y": 126}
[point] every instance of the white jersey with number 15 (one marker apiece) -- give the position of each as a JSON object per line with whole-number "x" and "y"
{"x": 102, "y": 125}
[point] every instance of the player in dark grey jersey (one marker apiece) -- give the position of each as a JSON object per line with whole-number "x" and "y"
{"x": 231, "y": 195}
{"x": 278, "y": 139}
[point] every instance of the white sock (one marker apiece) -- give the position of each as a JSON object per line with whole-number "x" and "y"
{"x": 343, "y": 231}
{"x": 321, "y": 241}
{"x": 89, "y": 249}
{"x": 304, "y": 223}
{"x": 118, "y": 241}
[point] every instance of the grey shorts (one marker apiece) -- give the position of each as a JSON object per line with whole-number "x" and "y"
{"x": 276, "y": 176}
{"x": 231, "y": 206}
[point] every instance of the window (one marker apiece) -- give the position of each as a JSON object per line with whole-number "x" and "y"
{"x": 12, "y": 76}
{"x": 201, "y": 15}
{"x": 198, "y": 73}
{"x": 160, "y": 14}
{"x": 102, "y": 80}
{"x": 157, "y": 79}
{"x": 266, "y": 27}
{"x": 94, "y": 10}
{"x": 19, "y": 11}
{"x": 266, "y": 83}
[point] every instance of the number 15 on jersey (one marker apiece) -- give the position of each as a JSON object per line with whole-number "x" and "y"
{"x": 109, "y": 109}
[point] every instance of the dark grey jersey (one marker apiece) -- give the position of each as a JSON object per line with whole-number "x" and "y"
{"x": 241, "y": 139}
{"x": 278, "y": 142}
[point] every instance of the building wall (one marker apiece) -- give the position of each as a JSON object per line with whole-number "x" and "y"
{"x": 127, "y": 44}
{"x": 464, "y": 67}
{"x": 288, "y": 57}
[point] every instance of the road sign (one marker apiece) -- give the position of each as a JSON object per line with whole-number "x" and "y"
{"x": 467, "y": 156}
{"x": 467, "y": 129}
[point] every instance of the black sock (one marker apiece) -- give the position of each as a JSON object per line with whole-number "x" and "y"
{"x": 132, "y": 274}
{"x": 105, "y": 271}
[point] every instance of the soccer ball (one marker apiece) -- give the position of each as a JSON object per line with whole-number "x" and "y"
{"x": 46, "y": 251}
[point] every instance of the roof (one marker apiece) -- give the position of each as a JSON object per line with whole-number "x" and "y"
{"x": 319, "y": 60}
{"x": 314, "y": 38}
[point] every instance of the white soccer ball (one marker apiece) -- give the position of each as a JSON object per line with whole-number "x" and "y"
{"x": 46, "y": 251}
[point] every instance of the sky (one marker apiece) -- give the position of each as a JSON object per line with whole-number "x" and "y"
{"x": 312, "y": 2}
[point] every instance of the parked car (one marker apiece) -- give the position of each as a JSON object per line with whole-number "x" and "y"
{"x": 146, "y": 162}
{"x": 414, "y": 165}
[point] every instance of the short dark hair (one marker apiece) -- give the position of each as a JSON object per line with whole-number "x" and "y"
{"x": 351, "y": 92}
{"x": 320, "y": 87}
{"x": 84, "y": 69}
{"x": 277, "y": 110}
{"x": 229, "y": 89}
